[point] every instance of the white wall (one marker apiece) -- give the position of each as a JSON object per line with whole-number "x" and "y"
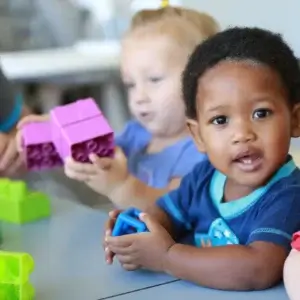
{"x": 277, "y": 15}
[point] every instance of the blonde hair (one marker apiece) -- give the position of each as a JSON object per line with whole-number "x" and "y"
{"x": 186, "y": 26}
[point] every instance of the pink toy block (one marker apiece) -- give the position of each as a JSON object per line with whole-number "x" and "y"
{"x": 80, "y": 129}
{"x": 40, "y": 152}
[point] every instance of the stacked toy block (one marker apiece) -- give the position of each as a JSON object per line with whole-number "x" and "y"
{"x": 74, "y": 130}
{"x": 39, "y": 148}
{"x": 15, "y": 269}
{"x": 19, "y": 205}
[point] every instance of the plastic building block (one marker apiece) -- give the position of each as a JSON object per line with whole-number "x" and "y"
{"x": 128, "y": 222}
{"x": 79, "y": 129}
{"x": 18, "y": 205}
{"x": 39, "y": 150}
{"x": 15, "y": 269}
{"x": 16, "y": 292}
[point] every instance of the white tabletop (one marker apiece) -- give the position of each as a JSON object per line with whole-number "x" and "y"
{"x": 69, "y": 260}
{"x": 183, "y": 291}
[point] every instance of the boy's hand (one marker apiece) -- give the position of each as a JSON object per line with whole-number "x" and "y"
{"x": 109, "y": 226}
{"x": 104, "y": 175}
{"x": 144, "y": 250}
{"x": 25, "y": 120}
{"x": 11, "y": 163}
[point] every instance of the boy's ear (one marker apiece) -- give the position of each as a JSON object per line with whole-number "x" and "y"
{"x": 295, "y": 132}
{"x": 194, "y": 130}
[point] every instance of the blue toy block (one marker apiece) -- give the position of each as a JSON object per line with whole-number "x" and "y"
{"x": 128, "y": 222}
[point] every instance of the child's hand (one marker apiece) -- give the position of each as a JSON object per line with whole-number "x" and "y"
{"x": 104, "y": 175}
{"x": 108, "y": 232}
{"x": 11, "y": 163}
{"x": 144, "y": 250}
{"x": 26, "y": 120}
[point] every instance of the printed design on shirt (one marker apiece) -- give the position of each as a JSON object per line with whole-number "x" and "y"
{"x": 219, "y": 234}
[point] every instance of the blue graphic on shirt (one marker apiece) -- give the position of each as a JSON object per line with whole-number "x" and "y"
{"x": 219, "y": 234}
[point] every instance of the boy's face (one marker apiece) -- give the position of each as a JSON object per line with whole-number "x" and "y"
{"x": 244, "y": 121}
{"x": 151, "y": 68}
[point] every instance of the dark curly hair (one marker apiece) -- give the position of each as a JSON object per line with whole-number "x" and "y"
{"x": 239, "y": 43}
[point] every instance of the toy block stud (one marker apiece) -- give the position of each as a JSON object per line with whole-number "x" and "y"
{"x": 128, "y": 222}
{"x": 39, "y": 150}
{"x": 18, "y": 205}
{"x": 80, "y": 129}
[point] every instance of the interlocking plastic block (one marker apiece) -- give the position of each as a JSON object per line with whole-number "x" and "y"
{"x": 15, "y": 269}
{"x": 39, "y": 150}
{"x": 128, "y": 222}
{"x": 16, "y": 292}
{"x": 19, "y": 205}
{"x": 80, "y": 129}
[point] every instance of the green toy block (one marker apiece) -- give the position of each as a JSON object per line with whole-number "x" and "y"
{"x": 16, "y": 292}
{"x": 15, "y": 268}
{"x": 18, "y": 205}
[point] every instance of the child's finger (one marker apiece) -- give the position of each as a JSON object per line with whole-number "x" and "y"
{"x": 120, "y": 241}
{"x": 102, "y": 163}
{"x": 17, "y": 167}
{"x": 76, "y": 175}
{"x": 109, "y": 256}
{"x": 9, "y": 156}
{"x": 130, "y": 267}
{"x": 125, "y": 259}
{"x": 77, "y": 167}
{"x": 32, "y": 118}
{"x": 118, "y": 250}
{"x": 19, "y": 141}
{"x": 4, "y": 140}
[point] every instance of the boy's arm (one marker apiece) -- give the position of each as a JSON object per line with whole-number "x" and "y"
{"x": 256, "y": 265}
{"x": 253, "y": 267}
{"x": 136, "y": 193}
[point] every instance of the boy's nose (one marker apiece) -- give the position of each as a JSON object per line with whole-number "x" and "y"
{"x": 243, "y": 133}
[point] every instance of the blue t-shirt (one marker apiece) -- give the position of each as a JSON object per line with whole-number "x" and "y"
{"x": 270, "y": 213}
{"x": 156, "y": 169}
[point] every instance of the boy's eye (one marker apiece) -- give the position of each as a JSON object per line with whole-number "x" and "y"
{"x": 261, "y": 113}
{"x": 155, "y": 79}
{"x": 220, "y": 120}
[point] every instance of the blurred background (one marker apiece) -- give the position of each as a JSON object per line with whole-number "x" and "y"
{"x": 58, "y": 51}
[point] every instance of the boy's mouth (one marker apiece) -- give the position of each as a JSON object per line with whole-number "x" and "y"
{"x": 248, "y": 161}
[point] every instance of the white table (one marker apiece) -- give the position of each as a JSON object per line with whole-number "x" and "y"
{"x": 183, "y": 291}
{"x": 69, "y": 260}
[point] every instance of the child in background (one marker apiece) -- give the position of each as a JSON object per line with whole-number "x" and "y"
{"x": 155, "y": 149}
{"x": 11, "y": 110}
{"x": 291, "y": 273}
{"x": 238, "y": 209}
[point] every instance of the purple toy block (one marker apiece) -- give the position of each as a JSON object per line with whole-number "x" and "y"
{"x": 80, "y": 129}
{"x": 39, "y": 150}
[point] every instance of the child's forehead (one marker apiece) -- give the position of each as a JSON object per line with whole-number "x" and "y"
{"x": 155, "y": 49}
{"x": 242, "y": 80}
